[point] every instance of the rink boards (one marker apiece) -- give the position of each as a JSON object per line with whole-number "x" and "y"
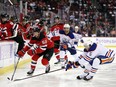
{"x": 8, "y": 50}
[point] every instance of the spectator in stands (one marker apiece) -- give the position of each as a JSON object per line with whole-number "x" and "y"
{"x": 113, "y": 33}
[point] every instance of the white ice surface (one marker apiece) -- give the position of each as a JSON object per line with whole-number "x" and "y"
{"x": 105, "y": 77}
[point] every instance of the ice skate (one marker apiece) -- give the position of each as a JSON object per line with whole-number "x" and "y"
{"x": 66, "y": 61}
{"x": 30, "y": 72}
{"x": 88, "y": 77}
{"x": 62, "y": 63}
{"x": 47, "y": 69}
{"x": 82, "y": 76}
{"x": 57, "y": 62}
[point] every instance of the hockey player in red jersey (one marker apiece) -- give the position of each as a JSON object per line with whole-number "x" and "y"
{"x": 57, "y": 26}
{"x": 5, "y": 26}
{"x": 9, "y": 30}
{"x": 42, "y": 46}
{"x": 40, "y": 25}
{"x": 25, "y": 28}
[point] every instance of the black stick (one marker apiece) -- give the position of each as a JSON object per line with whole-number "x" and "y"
{"x": 14, "y": 10}
{"x": 14, "y": 71}
{"x": 37, "y": 75}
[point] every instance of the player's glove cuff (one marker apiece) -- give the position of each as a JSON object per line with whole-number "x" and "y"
{"x": 71, "y": 65}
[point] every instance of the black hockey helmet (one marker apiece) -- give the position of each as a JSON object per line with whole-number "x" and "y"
{"x": 4, "y": 18}
{"x": 44, "y": 19}
{"x": 4, "y": 15}
{"x": 26, "y": 18}
{"x": 36, "y": 29}
{"x": 56, "y": 17}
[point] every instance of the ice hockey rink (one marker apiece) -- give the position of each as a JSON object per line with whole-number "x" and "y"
{"x": 105, "y": 77}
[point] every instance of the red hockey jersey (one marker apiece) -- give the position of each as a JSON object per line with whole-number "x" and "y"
{"x": 25, "y": 31}
{"x": 8, "y": 28}
{"x": 40, "y": 44}
{"x": 55, "y": 28}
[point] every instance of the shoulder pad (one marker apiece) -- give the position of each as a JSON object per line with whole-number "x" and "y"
{"x": 93, "y": 47}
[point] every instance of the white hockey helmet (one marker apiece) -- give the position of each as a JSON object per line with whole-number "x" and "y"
{"x": 37, "y": 20}
{"x": 66, "y": 26}
{"x": 87, "y": 44}
{"x": 76, "y": 27}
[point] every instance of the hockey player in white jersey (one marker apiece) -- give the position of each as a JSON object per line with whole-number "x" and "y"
{"x": 78, "y": 36}
{"x": 67, "y": 40}
{"x": 94, "y": 55}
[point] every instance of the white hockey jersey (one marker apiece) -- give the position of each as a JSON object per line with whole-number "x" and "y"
{"x": 97, "y": 51}
{"x": 68, "y": 39}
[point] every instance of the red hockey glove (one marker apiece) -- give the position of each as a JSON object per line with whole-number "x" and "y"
{"x": 2, "y": 37}
{"x": 0, "y": 33}
{"x": 65, "y": 46}
{"x": 21, "y": 53}
{"x": 31, "y": 52}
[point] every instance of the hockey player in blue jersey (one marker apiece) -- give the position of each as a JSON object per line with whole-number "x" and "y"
{"x": 94, "y": 55}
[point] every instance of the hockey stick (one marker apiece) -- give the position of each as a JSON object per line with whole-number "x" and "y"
{"x": 14, "y": 10}
{"x": 37, "y": 75}
{"x": 71, "y": 48}
{"x": 14, "y": 71}
{"x": 79, "y": 50}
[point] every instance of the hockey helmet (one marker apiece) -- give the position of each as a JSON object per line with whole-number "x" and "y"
{"x": 26, "y": 18}
{"x": 44, "y": 19}
{"x": 37, "y": 20}
{"x": 76, "y": 27}
{"x": 36, "y": 29}
{"x": 56, "y": 17}
{"x": 87, "y": 44}
{"x": 4, "y": 15}
{"x": 66, "y": 26}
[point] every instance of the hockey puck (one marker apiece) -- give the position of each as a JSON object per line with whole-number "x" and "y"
{"x": 8, "y": 78}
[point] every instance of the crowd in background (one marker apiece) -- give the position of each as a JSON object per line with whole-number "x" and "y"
{"x": 94, "y": 17}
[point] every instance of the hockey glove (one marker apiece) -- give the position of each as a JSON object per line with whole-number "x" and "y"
{"x": 0, "y": 33}
{"x": 21, "y": 53}
{"x": 31, "y": 52}
{"x": 65, "y": 46}
{"x": 82, "y": 41}
{"x": 2, "y": 37}
{"x": 71, "y": 65}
